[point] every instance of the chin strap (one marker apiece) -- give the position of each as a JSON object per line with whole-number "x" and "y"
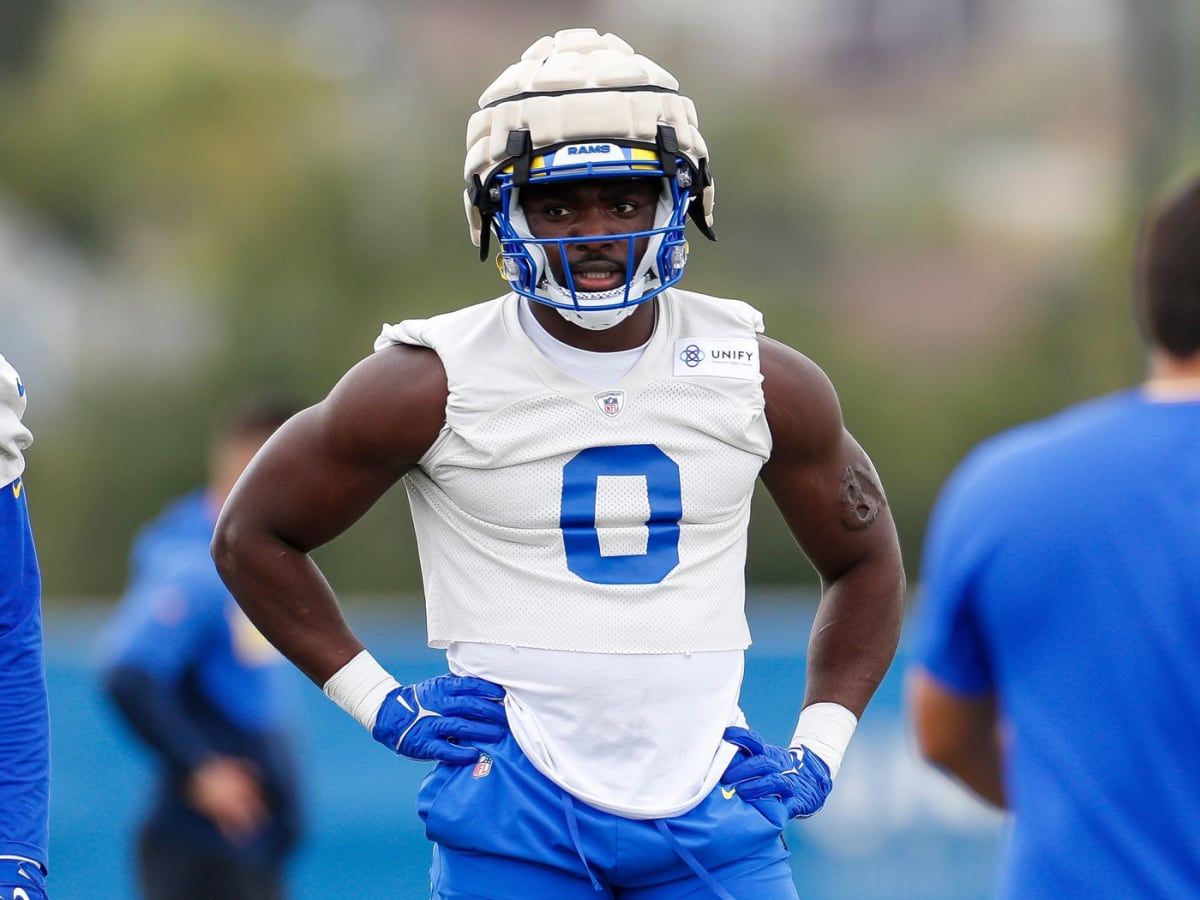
{"x": 598, "y": 319}
{"x": 595, "y": 319}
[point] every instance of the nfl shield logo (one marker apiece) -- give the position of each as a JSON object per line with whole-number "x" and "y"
{"x": 611, "y": 402}
{"x": 483, "y": 766}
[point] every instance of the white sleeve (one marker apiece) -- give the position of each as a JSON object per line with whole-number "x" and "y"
{"x": 14, "y": 437}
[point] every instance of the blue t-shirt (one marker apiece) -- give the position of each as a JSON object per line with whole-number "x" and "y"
{"x": 25, "y": 736}
{"x": 195, "y": 678}
{"x": 1062, "y": 572}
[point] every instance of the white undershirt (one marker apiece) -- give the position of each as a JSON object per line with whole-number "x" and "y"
{"x": 599, "y": 369}
{"x": 638, "y": 735}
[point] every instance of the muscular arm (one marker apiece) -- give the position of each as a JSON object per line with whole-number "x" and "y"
{"x": 312, "y": 480}
{"x": 834, "y": 505}
{"x": 958, "y": 734}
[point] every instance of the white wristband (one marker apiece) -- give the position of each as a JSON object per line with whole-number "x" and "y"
{"x": 360, "y": 687}
{"x": 825, "y": 729}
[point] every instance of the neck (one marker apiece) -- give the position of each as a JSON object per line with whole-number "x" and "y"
{"x": 1174, "y": 375}
{"x": 626, "y": 335}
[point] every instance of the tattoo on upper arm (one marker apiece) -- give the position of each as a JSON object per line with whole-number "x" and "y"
{"x": 861, "y": 496}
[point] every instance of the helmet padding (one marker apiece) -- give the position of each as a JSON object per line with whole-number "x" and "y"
{"x": 578, "y": 86}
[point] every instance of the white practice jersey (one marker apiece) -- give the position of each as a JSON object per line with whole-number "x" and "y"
{"x": 14, "y": 436}
{"x": 552, "y": 514}
{"x": 567, "y": 531}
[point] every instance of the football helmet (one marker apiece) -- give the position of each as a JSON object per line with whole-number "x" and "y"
{"x": 584, "y": 105}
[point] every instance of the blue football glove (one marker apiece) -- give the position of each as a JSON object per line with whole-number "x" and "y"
{"x": 440, "y": 718}
{"x": 797, "y": 778}
{"x": 21, "y": 880}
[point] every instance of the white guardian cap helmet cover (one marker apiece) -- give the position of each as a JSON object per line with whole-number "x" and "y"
{"x": 584, "y": 105}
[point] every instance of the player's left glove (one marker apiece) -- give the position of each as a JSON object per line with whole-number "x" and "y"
{"x": 794, "y": 776}
{"x": 440, "y": 718}
{"x": 21, "y": 879}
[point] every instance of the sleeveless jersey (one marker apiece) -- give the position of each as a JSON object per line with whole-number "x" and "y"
{"x": 553, "y": 515}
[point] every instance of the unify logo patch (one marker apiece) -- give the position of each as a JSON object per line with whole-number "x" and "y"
{"x": 720, "y": 358}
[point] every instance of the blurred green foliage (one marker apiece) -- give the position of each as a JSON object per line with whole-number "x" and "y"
{"x": 195, "y": 142}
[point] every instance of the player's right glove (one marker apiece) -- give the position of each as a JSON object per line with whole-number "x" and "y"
{"x": 793, "y": 776}
{"x": 441, "y": 718}
{"x": 21, "y": 879}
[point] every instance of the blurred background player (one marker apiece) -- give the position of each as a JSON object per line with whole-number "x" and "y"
{"x": 24, "y": 713}
{"x": 207, "y": 695}
{"x": 580, "y": 456}
{"x": 1060, "y": 615}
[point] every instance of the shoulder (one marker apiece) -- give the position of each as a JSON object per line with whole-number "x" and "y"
{"x": 390, "y": 406}
{"x": 1024, "y": 470}
{"x": 446, "y": 330}
{"x": 716, "y": 310}
{"x": 176, "y": 586}
{"x": 395, "y": 373}
{"x": 1037, "y": 446}
{"x": 181, "y": 525}
{"x": 802, "y": 406}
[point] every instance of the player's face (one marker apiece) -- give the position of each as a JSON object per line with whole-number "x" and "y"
{"x": 601, "y": 207}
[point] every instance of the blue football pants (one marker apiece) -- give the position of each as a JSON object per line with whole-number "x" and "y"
{"x": 505, "y": 832}
{"x": 24, "y": 716}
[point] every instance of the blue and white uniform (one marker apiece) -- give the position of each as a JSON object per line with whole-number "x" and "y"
{"x": 1061, "y": 573}
{"x": 24, "y": 713}
{"x": 195, "y": 679}
{"x": 583, "y": 544}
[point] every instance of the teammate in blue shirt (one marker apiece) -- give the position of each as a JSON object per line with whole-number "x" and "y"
{"x": 24, "y": 713}
{"x": 1060, "y": 616}
{"x": 207, "y": 695}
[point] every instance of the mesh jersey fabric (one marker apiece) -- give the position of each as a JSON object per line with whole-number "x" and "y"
{"x": 651, "y": 478}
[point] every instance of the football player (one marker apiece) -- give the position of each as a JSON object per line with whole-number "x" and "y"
{"x": 580, "y": 455}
